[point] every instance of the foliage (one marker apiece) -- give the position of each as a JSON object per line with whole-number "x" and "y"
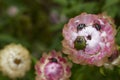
{"x": 38, "y": 26}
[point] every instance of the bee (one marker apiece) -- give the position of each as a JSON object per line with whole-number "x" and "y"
{"x": 80, "y": 43}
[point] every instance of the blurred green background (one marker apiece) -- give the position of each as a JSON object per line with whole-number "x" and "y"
{"x": 37, "y": 24}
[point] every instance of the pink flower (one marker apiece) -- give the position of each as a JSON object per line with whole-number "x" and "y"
{"x": 89, "y": 39}
{"x": 53, "y": 66}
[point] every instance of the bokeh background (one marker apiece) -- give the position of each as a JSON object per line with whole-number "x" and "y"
{"x": 37, "y": 24}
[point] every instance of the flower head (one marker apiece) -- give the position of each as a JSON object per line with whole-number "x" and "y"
{"x": 89, "y": 39}
{"x": 12, "y": 11}
{"x": 53, "y": 66}
{"x": 14, "y": 60}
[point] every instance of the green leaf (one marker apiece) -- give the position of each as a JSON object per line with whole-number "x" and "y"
{"x": 7, "y": 38}
{"x": 102, "y": 71}
{"x": 61, "y": 2}
{"x": 109, "y": 3}
{"x": 81, "y": 7}
{"x": 34, "y": 59}
{"x": 114, "y": 12}
{"x": 118, "y": 36}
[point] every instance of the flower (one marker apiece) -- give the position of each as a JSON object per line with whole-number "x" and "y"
{"x": 14, "y": 60}
{"x": 89, "y": 39}
{"x": 53, "y": 66}
{"x": 56, "y": 17}
{"x": 12, "y": 11}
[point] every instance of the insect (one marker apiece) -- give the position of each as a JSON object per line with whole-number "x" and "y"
{"x": 53, "y": 60}
{"x": 80, "y": 27}
{"x": 97, "y": 26}
{"x": 80, "y": 43}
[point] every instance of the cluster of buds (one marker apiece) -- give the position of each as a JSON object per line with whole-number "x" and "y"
{"x": 89, "y": 39}
{"x": 53, "y": 66}
{"x": 14, "y": 60}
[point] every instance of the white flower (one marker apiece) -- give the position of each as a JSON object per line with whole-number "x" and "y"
{"x": 12, "y": 11}
{"x": 14, "y": 60}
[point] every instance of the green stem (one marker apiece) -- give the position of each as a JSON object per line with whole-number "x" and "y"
{"x": 34, "y": 59}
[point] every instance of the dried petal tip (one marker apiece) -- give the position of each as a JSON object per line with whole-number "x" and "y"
{"x": 89, "y": 39}
{"x": 14, "y": 60}
{"x": 113, "y": 60}
{"x": 53, "y": 67}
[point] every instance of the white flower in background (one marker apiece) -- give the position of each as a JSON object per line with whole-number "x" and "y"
{"x": 12, "y": 11}
{"x": 14, "y": 60}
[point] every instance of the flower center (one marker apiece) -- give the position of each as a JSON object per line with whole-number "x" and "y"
{"x": 89, "y": 37}
{"x": 53, "y": 71}
{"x": 17, "y": 61}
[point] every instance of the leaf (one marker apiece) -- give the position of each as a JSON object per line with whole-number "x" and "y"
{"x": 2, "y": 77}
{"x": 102, "y": 71}
{"x": 34, "y": 59}
{"x": 61, "y": 2}
{"x": 7, "y": 38}
{"x": 81, "y": 7}
{"x": 109, "y": 3}
{"x": 114, "y": 12}
{"x": 118, "y": 36}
